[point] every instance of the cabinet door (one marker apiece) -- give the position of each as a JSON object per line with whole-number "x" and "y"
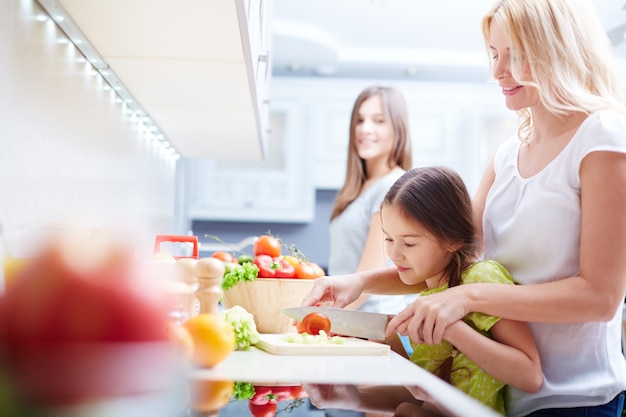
{"x": 278, "y": 189}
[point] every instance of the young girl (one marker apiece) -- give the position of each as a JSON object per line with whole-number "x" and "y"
{"x": 429, "y": 235}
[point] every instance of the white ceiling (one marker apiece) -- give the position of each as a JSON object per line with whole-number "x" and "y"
{"x": 183, "y": 61}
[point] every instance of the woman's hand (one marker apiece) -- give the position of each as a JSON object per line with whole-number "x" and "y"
{"x": 426, "y": 318}
{"x": 338, "y": 291}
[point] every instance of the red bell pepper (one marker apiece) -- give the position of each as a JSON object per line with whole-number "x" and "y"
{"x": 263, "y": 395}
{"x": 284, "y": 269}
{"x": 276, "y": 267}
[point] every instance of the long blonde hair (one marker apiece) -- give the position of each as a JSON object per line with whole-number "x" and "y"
{"x": 395, "y": 110}
{"x": 570, "y": 55}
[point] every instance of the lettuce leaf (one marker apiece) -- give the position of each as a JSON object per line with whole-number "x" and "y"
{"x": 235, "y": 273}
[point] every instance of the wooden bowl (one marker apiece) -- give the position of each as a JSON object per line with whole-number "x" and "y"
{"x": 265, "y": 298}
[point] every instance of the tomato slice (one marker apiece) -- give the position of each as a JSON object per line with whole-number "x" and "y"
{"x": 313, "y": 323}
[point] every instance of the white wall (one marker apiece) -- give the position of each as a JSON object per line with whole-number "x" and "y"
{"x": 68, "y": 151}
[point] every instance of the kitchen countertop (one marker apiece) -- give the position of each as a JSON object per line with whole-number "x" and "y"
{"x": 257, "y": 366}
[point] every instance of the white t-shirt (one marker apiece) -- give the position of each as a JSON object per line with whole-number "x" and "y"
{"x": 532, "y": 227}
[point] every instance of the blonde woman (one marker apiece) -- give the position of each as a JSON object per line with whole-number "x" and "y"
{"x": 550, "y": 209}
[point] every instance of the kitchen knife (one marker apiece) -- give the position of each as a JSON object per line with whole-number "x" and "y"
{"x": 345, "y": 322}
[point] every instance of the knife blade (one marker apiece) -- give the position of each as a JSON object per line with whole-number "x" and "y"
{"x": 363, "y": 324}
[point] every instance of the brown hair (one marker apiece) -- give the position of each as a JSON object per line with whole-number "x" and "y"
{"x": 395, "y": 110}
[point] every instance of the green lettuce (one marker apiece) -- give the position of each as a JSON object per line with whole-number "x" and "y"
{"x": 235, "y": 273}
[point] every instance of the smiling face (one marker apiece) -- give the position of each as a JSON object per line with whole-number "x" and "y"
{"x": 417, "y": 254}
{"x": 374, "y": 135}
{"x": 517, "y": 96}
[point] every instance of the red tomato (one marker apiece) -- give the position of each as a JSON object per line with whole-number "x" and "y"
{"x": 267, "y": 245}
{"x": 319, "y": 270}
{"x": 224, "y": 256}
{"x": 305, "y": 269}
{"x": 263, "y": 410}
{"x": 309, "y": 270}
{"x": 312, "y": 323}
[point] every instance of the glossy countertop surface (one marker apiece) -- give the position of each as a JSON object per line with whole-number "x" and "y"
{"x": 259, "y": 367}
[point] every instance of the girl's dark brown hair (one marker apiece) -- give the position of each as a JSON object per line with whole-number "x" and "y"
{"x": 437, "y": 199}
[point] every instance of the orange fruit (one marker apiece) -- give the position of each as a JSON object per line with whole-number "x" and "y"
{"x": 180, "y": 336}
{"x": 213, "y": 339}
{"x": 210, "y": 395}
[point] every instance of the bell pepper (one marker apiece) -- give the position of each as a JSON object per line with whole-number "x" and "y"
{"x": 274, "y": 267}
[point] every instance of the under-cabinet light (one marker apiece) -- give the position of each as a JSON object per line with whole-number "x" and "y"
{"x": 99, "y": 66}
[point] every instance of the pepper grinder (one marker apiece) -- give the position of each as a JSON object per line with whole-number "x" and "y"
{"x": 209, "y": 273}
{"x": 185, "y": 272}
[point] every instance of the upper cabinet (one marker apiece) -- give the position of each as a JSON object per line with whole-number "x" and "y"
{"x": 279, "y": 189}
{"x": 254, "y": 22}
{"x": 199, "y": 69}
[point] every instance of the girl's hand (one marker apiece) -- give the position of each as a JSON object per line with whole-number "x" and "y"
{"x": 426, "y": 318}
{"x": 337, "y": 291}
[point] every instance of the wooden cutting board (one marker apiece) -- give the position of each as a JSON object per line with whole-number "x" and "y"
{"x": 276, "y": 344}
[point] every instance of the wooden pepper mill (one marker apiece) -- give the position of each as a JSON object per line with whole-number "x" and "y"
{"x": 209, "y": 272}
{"x": 185, "y": 272}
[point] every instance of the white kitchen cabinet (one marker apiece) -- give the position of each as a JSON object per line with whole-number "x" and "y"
{"x": 279, "y": 189}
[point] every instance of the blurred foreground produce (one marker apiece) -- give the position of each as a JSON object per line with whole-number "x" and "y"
{"x": 213, "y": 339}
{"x": 81, "y": 326}
{"x": 208, "y": 397}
